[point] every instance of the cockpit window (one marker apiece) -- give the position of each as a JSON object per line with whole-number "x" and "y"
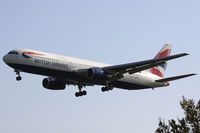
{"x": 13, "y": 52}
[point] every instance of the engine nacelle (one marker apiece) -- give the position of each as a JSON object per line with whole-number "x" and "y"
{"x": 97, "y": 74}
{"x": 53, "y": 84}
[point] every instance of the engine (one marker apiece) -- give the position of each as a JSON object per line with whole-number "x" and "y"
{"x": 97, "y": 74}
{"x": 53, "y": 84}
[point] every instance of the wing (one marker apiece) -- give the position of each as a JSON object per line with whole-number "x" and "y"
{"x": 117, "y": 71}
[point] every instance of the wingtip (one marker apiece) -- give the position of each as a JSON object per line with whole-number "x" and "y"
{"x": 192, "y": 74}
{"x": 185, "y": 53}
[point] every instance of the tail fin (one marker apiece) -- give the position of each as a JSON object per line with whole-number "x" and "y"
{"x": 160, "y": 70}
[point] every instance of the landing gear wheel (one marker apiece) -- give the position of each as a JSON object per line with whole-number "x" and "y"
{"x": 84, "y": 93}
{"x": 18, "y": 78}
{"x": 77, "y": 94}
{"x": 107, "y": 88}
{"x": 103, "y": 89}
{"x": 111, "y": 88}
{"x": 80, "y": 93}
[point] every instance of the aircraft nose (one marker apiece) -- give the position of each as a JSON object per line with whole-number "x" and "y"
{"x": 5, "y": 58}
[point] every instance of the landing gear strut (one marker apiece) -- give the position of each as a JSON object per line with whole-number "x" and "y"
{"x": 18, "y": 78}
{"x": 80, "y": 93}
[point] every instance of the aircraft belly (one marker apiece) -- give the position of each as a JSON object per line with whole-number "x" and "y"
{"x": 128, "y": 85}
{"x": 135, "y": 81}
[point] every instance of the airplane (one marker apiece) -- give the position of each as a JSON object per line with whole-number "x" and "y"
{"x": 64, "y": 70}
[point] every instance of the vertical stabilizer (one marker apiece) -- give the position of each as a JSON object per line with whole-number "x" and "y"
{"x": 160, "y": 70}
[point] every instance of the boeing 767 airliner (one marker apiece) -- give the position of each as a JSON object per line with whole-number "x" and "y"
{"x": 63, "y": 70}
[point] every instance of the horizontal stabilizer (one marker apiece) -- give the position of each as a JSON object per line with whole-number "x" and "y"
{"x": 175, "y": 78}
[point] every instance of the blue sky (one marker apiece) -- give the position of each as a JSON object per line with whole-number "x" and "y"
{"x": 109, "y": 31}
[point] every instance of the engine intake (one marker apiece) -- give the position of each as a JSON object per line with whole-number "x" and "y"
{"x": 97, "y": 74}
{"x": 53, "y": 84}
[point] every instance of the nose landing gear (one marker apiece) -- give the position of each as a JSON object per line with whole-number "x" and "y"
{"x": 18, "y": 78}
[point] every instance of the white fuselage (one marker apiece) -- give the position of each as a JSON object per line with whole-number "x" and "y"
{"x": 37, "y": 59}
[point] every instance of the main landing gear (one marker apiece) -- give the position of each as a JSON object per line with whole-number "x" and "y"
{"x": 80, "y": 93}
{"x": 107, "y": 88}
{"x": 18, "y": 78}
